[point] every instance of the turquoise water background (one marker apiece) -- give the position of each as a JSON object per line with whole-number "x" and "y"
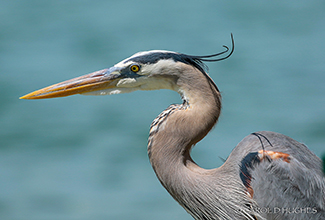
{"x": 84, "y": 157}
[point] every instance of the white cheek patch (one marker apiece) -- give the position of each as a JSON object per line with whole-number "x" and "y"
{"x": 127, "y": 82}
{"x": 167, "y": 65}
{"x": 142, "y": 83}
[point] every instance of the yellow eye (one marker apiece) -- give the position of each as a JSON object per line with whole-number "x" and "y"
{"x": 134, "y": 68}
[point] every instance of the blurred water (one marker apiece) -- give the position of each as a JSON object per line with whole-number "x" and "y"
{"x": 85, "y": 157}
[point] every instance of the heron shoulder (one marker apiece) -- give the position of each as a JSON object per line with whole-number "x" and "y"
{"x": 291, "y": 178}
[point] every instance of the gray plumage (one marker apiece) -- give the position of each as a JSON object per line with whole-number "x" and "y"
{"x": 219, "y": 193}
{"x": 267, "y": 175}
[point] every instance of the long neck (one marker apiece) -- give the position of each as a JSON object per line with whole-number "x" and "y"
{"x": 179, "y": 127}
{"x": 173, "y": 133}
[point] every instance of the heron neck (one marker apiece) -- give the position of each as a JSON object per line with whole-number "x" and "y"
{"x": 173, "y": 133}
{"x": 176, "y": 130}
{"x": 205, "y": 194}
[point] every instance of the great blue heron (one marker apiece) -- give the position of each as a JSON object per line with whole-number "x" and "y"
{"x": 267, "y": 175}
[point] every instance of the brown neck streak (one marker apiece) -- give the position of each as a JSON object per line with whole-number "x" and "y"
{"x": 176, "y": 130}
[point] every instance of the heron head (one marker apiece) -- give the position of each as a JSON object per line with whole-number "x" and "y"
{"x": 151, "y": 70}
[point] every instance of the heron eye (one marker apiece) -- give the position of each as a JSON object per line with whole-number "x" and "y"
{"x": 135, "y": 68}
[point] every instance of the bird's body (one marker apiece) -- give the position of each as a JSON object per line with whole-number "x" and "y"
{"x": 267, "y": 175}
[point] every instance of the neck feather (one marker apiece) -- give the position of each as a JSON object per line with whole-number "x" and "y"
{"x": 173, "y": 133}
{"x": 179, "y": 127}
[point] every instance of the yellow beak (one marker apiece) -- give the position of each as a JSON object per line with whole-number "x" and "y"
{"x": 103, "y": 79}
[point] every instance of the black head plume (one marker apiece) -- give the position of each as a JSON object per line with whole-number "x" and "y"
{"x": 204, "y": 58}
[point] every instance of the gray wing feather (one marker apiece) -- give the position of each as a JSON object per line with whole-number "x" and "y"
{"x": 285, "y": 190}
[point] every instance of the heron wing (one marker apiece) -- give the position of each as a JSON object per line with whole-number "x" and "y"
{"x": 284, "y": 178}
